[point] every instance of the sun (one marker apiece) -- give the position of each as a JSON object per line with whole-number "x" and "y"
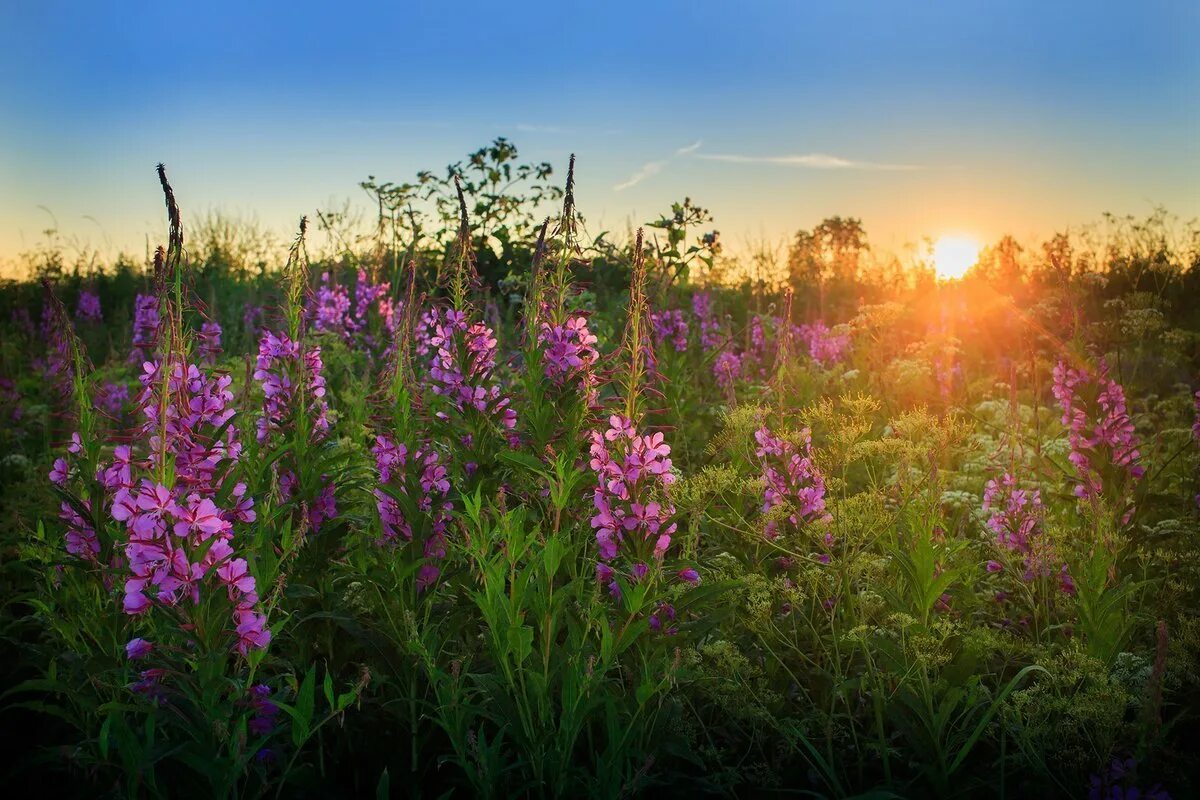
{"x": 954, "y": 255}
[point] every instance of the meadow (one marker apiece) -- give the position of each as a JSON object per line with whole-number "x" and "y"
{"x": 477, "y": 503}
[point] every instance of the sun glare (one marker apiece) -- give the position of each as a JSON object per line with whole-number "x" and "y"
{"x": 954, "y": 255}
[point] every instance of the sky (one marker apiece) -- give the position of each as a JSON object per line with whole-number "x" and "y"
{"x": 922, "y": 119}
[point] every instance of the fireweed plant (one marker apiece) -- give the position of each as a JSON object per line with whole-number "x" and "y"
{"x": 367, "y": 525}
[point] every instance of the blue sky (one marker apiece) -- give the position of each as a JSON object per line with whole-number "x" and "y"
{"x": 921, "y": 118}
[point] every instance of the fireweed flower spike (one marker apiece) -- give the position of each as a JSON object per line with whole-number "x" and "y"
{"x": 633, "y": 516}
{"x": 1015, "y": 517}
{"x": 420, "y": 475}
{"x": 463, "y": 365}
{"x": 287, "y": 372}
{"x": 1100, "y": 431}
{"x": 790, "y": 477}
{"x": 146, "y": 327}
{"x": 670, "y": 326}
{"x": 88, "y": 307}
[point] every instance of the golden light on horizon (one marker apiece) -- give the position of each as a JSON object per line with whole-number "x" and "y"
{"x": 954, "y": 255}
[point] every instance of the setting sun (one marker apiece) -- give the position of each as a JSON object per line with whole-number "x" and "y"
{"x": 954, "y": 255}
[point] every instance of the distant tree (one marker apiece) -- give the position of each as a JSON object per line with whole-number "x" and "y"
{"x": 823, "y": 264}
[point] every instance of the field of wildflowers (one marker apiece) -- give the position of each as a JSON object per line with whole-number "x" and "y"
{"x": 481, "y": 506}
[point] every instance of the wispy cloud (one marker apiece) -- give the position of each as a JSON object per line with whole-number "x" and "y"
{"x": 647, "y": 170}
{"x": 651, "y": 168}
{"x": 807, "y": 161}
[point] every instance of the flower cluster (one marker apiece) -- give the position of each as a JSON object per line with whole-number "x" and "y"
{"x": 789, "y": 476}
{"x": 710, "y": 326}
{"x": 334, "y": 311}
{"x": 183, "y": 411}
{"x": 569, "y": 351}
{"x": 463, "y": 365}
{"x": 1015, "y": 516}
{"x": 88, "y": 307}
{"x": 727, "y": 368}
{"x": 633, "y": 516}
{"x": 421, "y": 476}
{"x": 111, "y": 398}
{"x": 146, "y": 326}
{"x": 281, "y": 368}
{"x": 265, "y": 710}
{"x": 670, "y": 326}
{"x": 289, "y": 375}
{"x": 824, "y": 346}
{"x": 208, "y": 342}
{"x": 1100, "y": 432}
{"x": 176, "y": 536}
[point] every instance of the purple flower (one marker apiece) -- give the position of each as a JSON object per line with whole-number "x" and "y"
{"x": 727, "y": 368}
{"x": 791, "y": 478}
{"x": 569, "y": 352}
{"x": 1100, "y": 431}
{"x": 633, "y": 516}
{"x": 146, "y": 327}
{"x": 88, "y": 307}
{"x": 670, "y": 326}
{"x": 208, "y": 342}
{"x": 137, "y": 649}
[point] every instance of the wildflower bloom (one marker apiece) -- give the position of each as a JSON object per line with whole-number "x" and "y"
{"x": 421, "y": 476}
{"x": 1015, "y": 517}
{"x": 265, "y": 710}
{"x": 710, "y": 326}
{"x": 633, "y": 517}
{"x": 790, "y": 477}
{"x": 569, "y": 351}
{"x": 670, "y": 326}
{"x": 146, "y": 327}
{"x": 88, "y": 307}
{"x": 112, "y": 398}
{"x": 824, "y": 346}
{"x": 463, "y": 365}
{"x": 138, "y": 649}
{"x": 280, "y": 368}
{"x": 1099, "y": 429}
{"x": 208, "y": 342}
{"x": 291, "y": 375}
{"x": 727, "y": 368}
{"x": 177, "y": 538}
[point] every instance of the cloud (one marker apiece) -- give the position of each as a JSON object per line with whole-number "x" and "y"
{"x": 807, "y": 161}
{"x": 648, "y": 169}
{"x": 651, "y": 168}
